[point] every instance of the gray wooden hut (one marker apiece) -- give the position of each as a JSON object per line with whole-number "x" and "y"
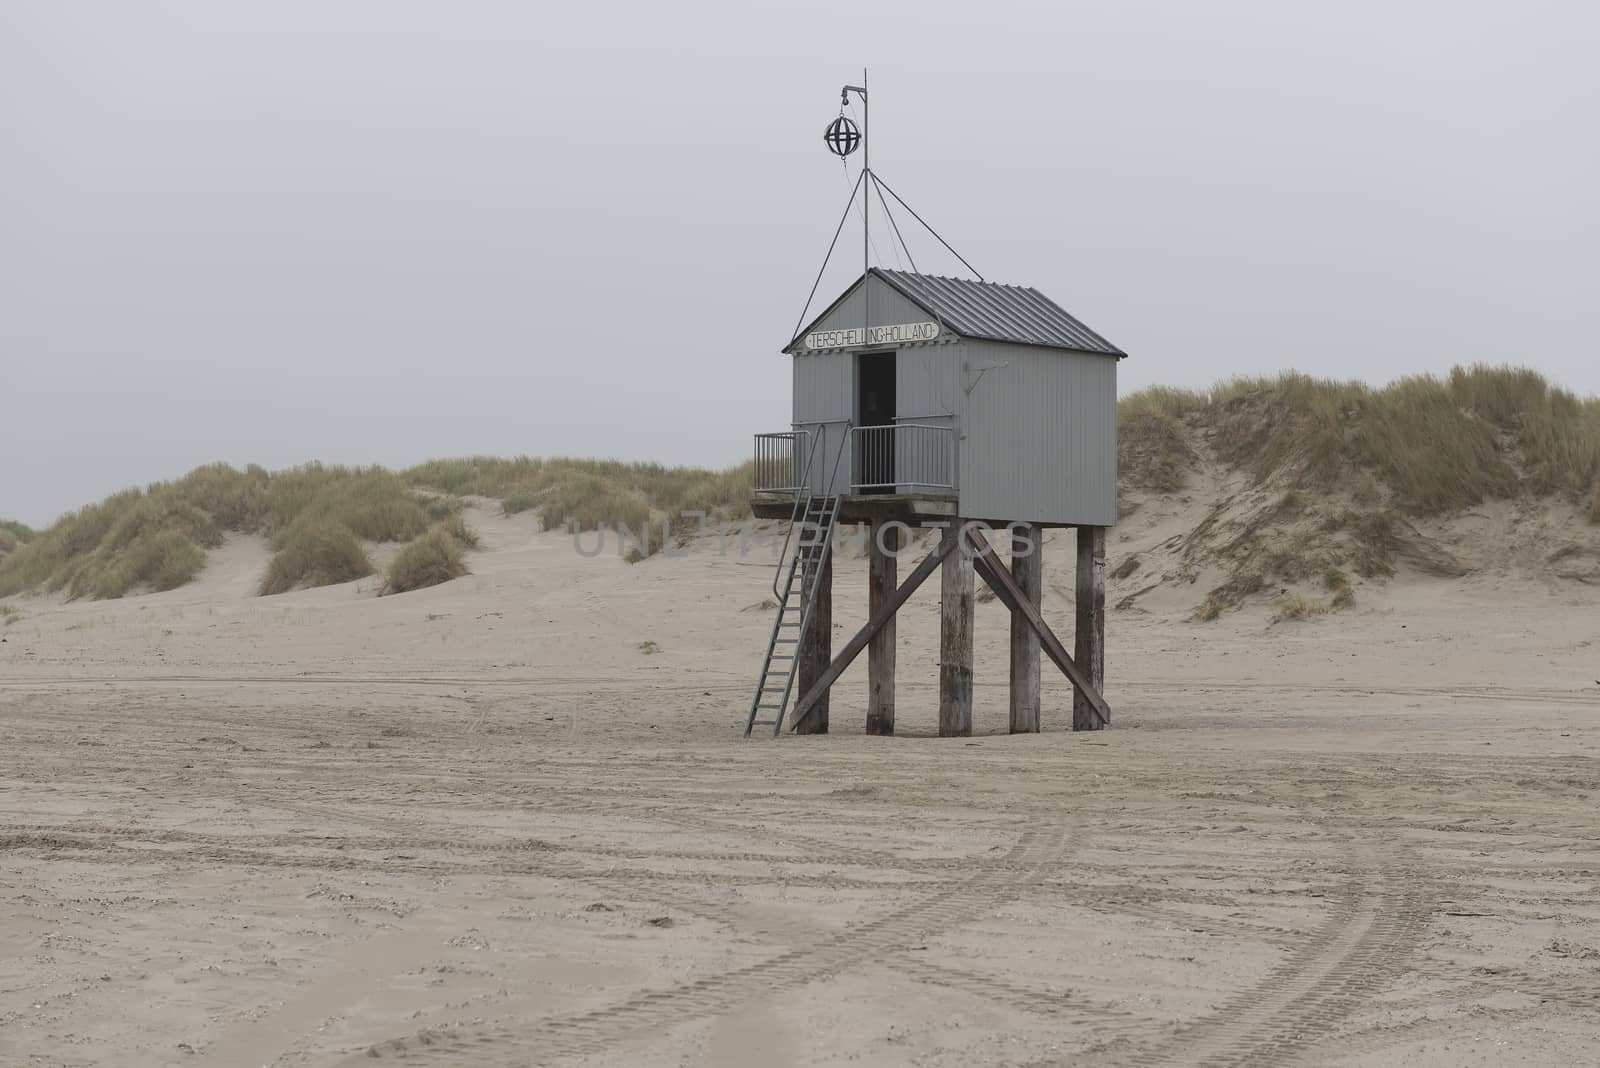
{"x": 923, "y": 400}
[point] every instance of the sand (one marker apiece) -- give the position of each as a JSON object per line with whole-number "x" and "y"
{"x": 479, "y": 825}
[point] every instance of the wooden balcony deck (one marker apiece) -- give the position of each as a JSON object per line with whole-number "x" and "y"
{"x": 911, "y": 508}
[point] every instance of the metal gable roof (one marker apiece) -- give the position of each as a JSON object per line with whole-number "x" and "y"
{"x": 986, "y": 310}
{"x": 998, "y": 312}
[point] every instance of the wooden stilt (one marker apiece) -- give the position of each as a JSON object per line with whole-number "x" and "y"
{"x": 955, "y": 637}
{"x": 881, "y": 568}
{"x": 816, "y": 650}
{"x": 1089, "y": 645}
{"x": 987, "y": 563}
{"x": 879, "y": 620}
{"x": 1027, "y": 568}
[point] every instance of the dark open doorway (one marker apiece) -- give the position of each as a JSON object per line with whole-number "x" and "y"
{"x": 874, "y": 461}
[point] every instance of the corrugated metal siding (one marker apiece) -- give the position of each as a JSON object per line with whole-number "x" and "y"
{"x": 1038, "y": 436}
{"x": 824, "y": 396}
{"x": 927, "y": 383}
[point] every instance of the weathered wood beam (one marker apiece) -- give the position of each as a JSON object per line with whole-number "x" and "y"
{"x": 955, "y": 637}
{"x": 1027, "y": 568}
{"x": 1000, "y": 580}
{"x": 883, "y": 546}
{"x": 816, "y": 647}
{"x": 1089, "y": 633}
{"x": 819, "y": 688}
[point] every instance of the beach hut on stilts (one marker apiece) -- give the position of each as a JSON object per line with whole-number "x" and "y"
{"x": 948, "y": 402}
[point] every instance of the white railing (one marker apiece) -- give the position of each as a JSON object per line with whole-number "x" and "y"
{"x": 906, "y": 457}
{"x": 782, "y": 461}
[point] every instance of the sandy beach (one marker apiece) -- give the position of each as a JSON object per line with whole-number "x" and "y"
{"x": 486, "y": 823}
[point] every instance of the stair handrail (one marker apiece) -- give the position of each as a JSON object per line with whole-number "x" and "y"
{"x": 844, "y": 439}
{"x": 808, "y": 596}
{"x": 802, "y": 501}
{"x": 795, "y": 565}
{"x": 800, "y": 510}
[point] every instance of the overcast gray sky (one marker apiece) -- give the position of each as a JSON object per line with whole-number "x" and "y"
{"x": 277, "y": 230}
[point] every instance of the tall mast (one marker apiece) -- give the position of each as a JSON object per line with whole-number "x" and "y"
{"x": 866, "y": 195}
{"x": 866, "y": 166}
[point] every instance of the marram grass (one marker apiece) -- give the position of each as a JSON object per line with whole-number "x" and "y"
{"x": 1437, "y": 444}
{"x": 434, "y": 558}
{"x": 1420, "y": 446}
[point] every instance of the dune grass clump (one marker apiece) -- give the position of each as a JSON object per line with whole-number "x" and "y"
{"x": 315, "y": 552}
{"x": 1291, "y": 606}
{"x": 132, "y": 540}
{"x": 1153, "y": 449}
{"x": 457, "y": 528}
{"x": 592, "y": 504}
{"x": 14, "y": 535}
{"x": 595, "y": 494}
{"x": 235, "y": 500}
{"x": 317, "y": 516}
{"x": 370, "y": 502}
{"x": 156, "y": 541}
{"x": 1245, "y": 582}
{"x": 164, "y": 560}
{"x": 1336, "y": 583}
{"x": 434, "y": 558}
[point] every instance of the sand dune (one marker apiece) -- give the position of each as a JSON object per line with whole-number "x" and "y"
{"x": 478, "y": 824}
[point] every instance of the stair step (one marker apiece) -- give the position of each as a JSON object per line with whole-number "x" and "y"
{"x": 817, "y": 519}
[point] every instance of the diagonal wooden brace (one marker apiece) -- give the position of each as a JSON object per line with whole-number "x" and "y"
{"x": 987, "y": 564}
{"x": 853, "y": 647}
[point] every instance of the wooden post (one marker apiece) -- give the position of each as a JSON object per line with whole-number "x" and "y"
{"x": 1089, "y": 644}
{"x": 883, "y": 615}
{"x": 816, "y": 650}
{"x": 1027, "y": 567}
{"x": 955, "y": 638}
{"x": 881, "y": 583}
{"x": 986, "y": 562}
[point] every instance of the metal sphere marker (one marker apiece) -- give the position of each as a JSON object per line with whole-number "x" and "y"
{"x": 842, "y": 137}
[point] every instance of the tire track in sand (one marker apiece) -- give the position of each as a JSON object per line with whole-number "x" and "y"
{"x": 1013, "y": 996}
{"x": 542, "y": 1041}
{"x": 1365, "y": 942}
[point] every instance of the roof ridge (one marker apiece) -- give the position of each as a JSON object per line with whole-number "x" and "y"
{"x": 958, "y": 278}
